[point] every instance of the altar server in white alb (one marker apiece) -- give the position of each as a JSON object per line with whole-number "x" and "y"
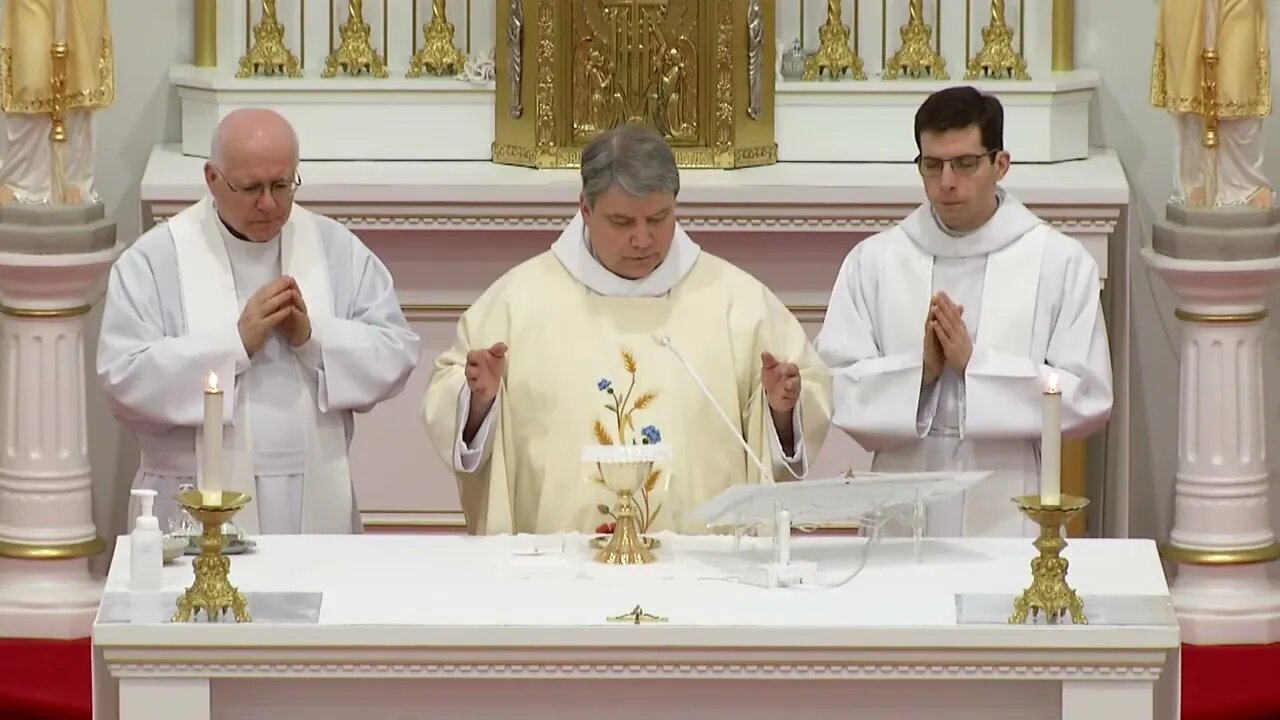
{"x": 943, "y": 332}
{"x": 566, "y": 350}
{"x": 295, "y": 316}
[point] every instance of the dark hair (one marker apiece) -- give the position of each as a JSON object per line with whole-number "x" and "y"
{"x": 959, "y": 107}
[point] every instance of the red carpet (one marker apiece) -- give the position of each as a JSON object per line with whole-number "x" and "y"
{"x": 50, "y": 680}
{"x": 45, "y": 680}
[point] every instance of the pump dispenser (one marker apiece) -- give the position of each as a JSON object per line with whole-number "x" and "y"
{"x": 146, "y": 554}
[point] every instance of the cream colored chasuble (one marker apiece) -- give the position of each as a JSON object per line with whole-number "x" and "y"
{"x": 601, "y": 377}
{"x": 210, "y": 302}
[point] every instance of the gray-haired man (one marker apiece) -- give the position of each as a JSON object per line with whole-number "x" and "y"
{"x": 575, "y": 347}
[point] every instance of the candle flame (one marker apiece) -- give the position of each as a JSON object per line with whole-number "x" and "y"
{"x": 1053, "y": 383}
{"x": 213, "y": 382}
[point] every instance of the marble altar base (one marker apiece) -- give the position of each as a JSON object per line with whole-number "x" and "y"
{"x": 467, "y": 627}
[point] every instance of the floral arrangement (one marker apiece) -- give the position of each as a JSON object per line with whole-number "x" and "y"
{"x": 624, "y": 409}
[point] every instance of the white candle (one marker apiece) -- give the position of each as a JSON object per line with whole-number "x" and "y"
{"x": 1051, "y": 445}
{"x": 60, "y": 22}
{"x": 211, "y": 472}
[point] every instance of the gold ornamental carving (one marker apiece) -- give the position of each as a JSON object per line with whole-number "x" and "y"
{"x": 355, "y": 54}
{"x": 698, "y": 72}
{"x": 439, "y": 56}
{"x": 269, "y": 56}
{"x": 997, "y": 59}
{"x": 1049, "y": 596}
{"x": 212, "y": 591}
{"x": 834, "y": 54}
{"x": 917, "y": 58}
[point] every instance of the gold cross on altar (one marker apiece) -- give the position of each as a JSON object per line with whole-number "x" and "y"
{"x": 637, "y": 616}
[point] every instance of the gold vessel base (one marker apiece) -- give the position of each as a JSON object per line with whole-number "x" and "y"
{"x": 1049, "y": 594}
{"x": 626, "y": 546}
{"x": 212, "y": 590}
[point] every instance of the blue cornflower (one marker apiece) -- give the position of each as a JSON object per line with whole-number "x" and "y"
{"x": 604, "y": 384}
{"x": 651, "y": 435}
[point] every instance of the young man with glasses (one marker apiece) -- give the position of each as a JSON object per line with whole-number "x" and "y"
{"x": 295, "y": 318}
{"x": 943, "y": 333}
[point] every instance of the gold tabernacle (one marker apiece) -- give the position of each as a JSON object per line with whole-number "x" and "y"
{"x": 212, "y": 590}
{"x": 700, "y": 73}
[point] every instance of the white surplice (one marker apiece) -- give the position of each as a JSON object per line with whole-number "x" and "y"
{"x": 1032, "y": 309}
{"x": 573, "y": 250}
{"x": 173, "y": 302}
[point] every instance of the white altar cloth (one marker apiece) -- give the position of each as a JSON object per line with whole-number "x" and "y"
{"x": 468, "y": 627}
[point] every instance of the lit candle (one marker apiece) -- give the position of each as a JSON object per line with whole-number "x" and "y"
{"x": 211, "y": 472}
{"x": 1051, "y": 445}
{"x": 60, "y": 22}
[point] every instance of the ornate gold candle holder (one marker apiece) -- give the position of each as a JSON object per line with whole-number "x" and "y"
{"x": 212, "y": 591}
{"x": 834, "y": 54}
{"x": 269, "y": 56}
{"x": 917, "y": 58}
{"x": 1049, "y": 593}
{"x": 355, "y": 54}
{"x": 997, "y": 59}
{"x": 625, "y": 469}
{"x": 439, "y": 56}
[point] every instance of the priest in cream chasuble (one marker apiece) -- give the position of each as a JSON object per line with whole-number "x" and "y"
{"x": 563, "y": 351}
{"x": 943, "y": 332}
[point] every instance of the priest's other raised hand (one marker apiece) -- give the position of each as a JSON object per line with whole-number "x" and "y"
{"x": 781, "y": 383}
{"x": 296, "y": 326}
{"x": 266, "y": 309}
{"x": 953, "y": 337}
{"x": 485, "y": 368}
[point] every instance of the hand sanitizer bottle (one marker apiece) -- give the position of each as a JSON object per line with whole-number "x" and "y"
{"x": 146, "y": 556}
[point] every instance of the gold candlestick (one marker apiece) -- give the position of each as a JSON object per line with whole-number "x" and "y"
{"x": 212, "y": 591}
{"x": 439, "y": 56}
{"x": 916, "y": 58}
{"x": 1064, "y": 35}
{"x": 997, "y": 59}
{"x": 355, "y": 54}
{"x": 1049, "y": 593}
{"x": 834, "y": 54}
{"x": 205, "y": 31}
{"x": 269, "y": 56}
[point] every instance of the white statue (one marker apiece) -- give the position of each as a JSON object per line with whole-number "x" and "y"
{"x": 1212, "y": 73}
{"x": 31, "y": 29}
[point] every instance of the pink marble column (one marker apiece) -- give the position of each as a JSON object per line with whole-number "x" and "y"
{"x": 47, "y": 534}
{"x": 1222, "y": 539}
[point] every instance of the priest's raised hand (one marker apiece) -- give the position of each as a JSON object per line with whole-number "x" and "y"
{"x": 296, "y": 326}
{"x": 948, "y": 324}
{"x": 266, "y": 309}
{"x": 485, "y": 368}
{"x": 782, "y": 388}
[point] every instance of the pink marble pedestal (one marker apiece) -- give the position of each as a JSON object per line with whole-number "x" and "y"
{"x": 47, "y": 533}
{"x": 1222, "y": 540}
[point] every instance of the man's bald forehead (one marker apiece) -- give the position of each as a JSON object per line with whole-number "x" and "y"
{"x": 250, "y": 127}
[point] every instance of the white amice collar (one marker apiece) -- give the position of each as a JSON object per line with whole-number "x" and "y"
{"x": 573, "y": 250}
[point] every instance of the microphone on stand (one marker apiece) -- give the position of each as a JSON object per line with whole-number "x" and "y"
{"x": 783, "y": 571}
{"x": 665, "y": 342}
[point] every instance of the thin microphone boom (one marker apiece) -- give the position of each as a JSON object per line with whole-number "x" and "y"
{"x": 665, "y": 342}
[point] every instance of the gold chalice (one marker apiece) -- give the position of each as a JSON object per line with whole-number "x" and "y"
{"x": 211, "y": 591}
{"x": 1049, "y": 592}
{"x": 625, "y": 469}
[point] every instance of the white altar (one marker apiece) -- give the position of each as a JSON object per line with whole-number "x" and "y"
{"x": 466, "y": 627}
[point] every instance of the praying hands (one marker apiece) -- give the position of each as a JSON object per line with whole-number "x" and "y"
{"x": 946, "y": 339}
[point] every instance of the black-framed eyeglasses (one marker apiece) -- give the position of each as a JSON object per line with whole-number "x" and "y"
{"x": 960, "y": 165}
{"x": 280, "y": 190}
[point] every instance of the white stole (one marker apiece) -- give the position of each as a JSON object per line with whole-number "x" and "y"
{"x": 210, "y": 302}
{"x": 1009, "y": 290}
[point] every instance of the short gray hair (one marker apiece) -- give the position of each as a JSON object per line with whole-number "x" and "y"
{"x": 632, "y": 157}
